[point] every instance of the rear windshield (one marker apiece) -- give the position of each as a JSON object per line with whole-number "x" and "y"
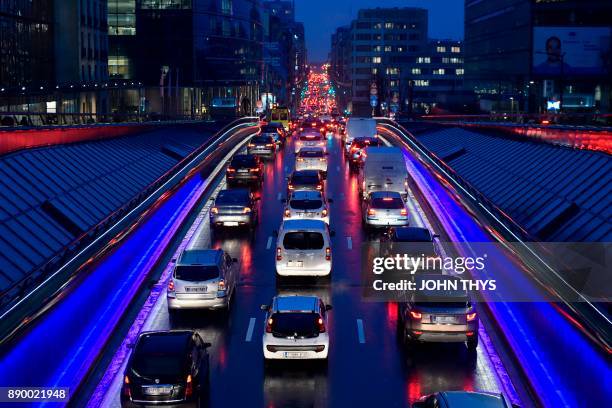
{"x": 303, "y": 240}
{"x": 310, "y": 153}
{"x": 388, "y": 203}
{"x": 231, "y": 199}
{"x": 196, "y": 272}
{"x": 306, "y": 204}
{"x": 158, "y": 364}
{"x": 243, "y": 162}
{"x": 304, "y": 179}
{"x": 269, "y": 129}
{"x": 295, "y": 324}
{"x": 263, "y": 139}
{"x": 310, "y": 137}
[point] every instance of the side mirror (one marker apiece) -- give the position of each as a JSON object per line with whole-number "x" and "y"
{"x": 328, "y": 307}
{"x": 264, "y": 307}
{"x": 206, "y": 345}
{"x": 234, "y": 259}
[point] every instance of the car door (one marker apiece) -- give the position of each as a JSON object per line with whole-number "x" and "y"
{"x": 230, "y": 273}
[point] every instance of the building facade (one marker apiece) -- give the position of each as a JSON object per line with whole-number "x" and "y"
{"x": 536, "y": 55}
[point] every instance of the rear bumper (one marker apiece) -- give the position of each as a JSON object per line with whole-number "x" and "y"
{"x": 243, "y": 178}
{"x": 213, "y": 303}
{"x": 387, "y": 222}
{"x": 320, "y": 270}
{"x": 230, "y": 220}
{"x": 321, "y": 167}
{"x": 302, "y": 349}
{"x": 129, "y": 403}
{"x": 262, "y": 152}
{"x": 303, "y": 217}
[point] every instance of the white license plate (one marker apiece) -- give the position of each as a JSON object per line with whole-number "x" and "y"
{"x": 196, "y": 289}
{"x": 295, "y": 264}
{"x": 156, "y": 390}
{"x": 294, "y": 354}
{"x": 443, "y": 319}
{"x": 243, "y": 171}
{"x": 231, "y": 223}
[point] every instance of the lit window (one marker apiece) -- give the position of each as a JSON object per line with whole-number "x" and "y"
{"x": 400, "y": 49}
{"x": 438, "y": 71}
{"x": 456, "y": 50}
{"x": 424, "y": 60}
{"x": 416, "y": 71}
{"x": 374, "y": 71}
{"x": 388, "y": 48}
{"x": 440, "y": 48}
{"x": 421, "y": 82}
{"x": 388, "y": 25}
{"x": 445, "y": 60}
{"x": 459, "y": 71}
{"x": 392, "y": 71}
{"x": 376, "y": 60}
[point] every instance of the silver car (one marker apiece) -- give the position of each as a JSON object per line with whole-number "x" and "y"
{"x": 312, "y": 158}
{"x": 307, "y": 205}
{"x": 262, "y": 145}
{"x": 234, "y": 208}
{"x": 445, "y": 315}
{"x": 310, "y": 138}
{"x": 464, "y": 399}
{"x": 385, "y": 209}
{"x": 202, "y": 279}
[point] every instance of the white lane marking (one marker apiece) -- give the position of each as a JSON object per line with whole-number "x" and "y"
{"x": 269, "y": 244}
{"x": 249, "y": 333}
{"x": 341, "y": 196}
{"x": 338, "y": 168}
{"x": 279, "y": 196}
{"x": 360, "y": 332}
{"x": 349, "y": 242}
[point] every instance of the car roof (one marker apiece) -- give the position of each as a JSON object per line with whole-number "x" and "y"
{"x": 306, "y": 195}
{"x": 418, "y": 234}
{"x": 465, "y": 399}
{"x": 385, "y": 194}
{"x": 303, "y": 225}
{"x": 295, "y": 303}
{"x": 200, "y": 257}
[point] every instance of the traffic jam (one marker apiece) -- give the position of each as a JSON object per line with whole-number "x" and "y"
{"x": 263, "y": 306}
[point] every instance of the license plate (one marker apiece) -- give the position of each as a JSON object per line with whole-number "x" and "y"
{"x": 156, "y": 390}
{"x": 243, "y": 171}
{"x": 297, "y": 264}
{"x": 443, "y": 319}
{"x": 196, "y": 289}
{"x": 231, "y": 223}
{"x": 294, "y": 354}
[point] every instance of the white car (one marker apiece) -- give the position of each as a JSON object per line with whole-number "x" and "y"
{"x": 303, "y": 248}
{"x": 296, "y": 328}
{"x": 310, "y": 138}
{"x": 311, "y": 158}
{"x": 385, "y": 209}
{"x": 305, "y": 204}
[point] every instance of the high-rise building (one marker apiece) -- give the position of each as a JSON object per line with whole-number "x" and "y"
{"x": 121, "y": 38}
{"x": 528, "y": 55}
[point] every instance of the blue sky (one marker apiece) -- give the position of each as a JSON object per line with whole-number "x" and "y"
{"x": 321, "y": 17}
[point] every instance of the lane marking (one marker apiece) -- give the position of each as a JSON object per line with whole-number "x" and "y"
{"x": 349, "y": 242}
{"x": 338, "y": 168}
{"x": 360, "y": 332}
{"x": 269, "y": 244}
{"x": 279, "y": 196}
{"x": 249, "y": 333}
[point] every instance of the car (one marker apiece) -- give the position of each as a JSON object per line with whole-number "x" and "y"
{"x": 202, "y": 279}
{"x": 464, "y": 399}
{"x": 305, "y": 180}
{"x": 384, "y": 209}
{"x": 262, "y": 145}
{"x": 438, "y": 316}
{"x": 417, "y": 239}
{"x": 309, "y": 138}
{"x": 311, "y": 124}
{"x": 303, "y": 248}
{"x": 245, "y": 168}
{"x": 166, "y": 367}
{"x": 275, "y": 130}
{"x": 312, "y": 158}
{"x": 296, "y": 328}
{"x": 357, "y": 152}
{"x": 307, "y": 205}
{"x": 235, "y": 207}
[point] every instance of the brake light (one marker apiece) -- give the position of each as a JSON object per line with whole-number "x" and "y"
{"x": 188, "y": 387}
{"x": 246, "y": 210}
{"x": 322, "y": 129}
{"x": 269, "y": 325}
{"x": 230, "y": 170}
{"x": 300, "y": 159}
{"x": 221, "y": 284}
{"x": 214, "y": 210}
{"x": 321, "y": 325}
{"x": 269, "y": 144}
{"x": 287, "y": 213}
{"x": 328, "y": 254}
{"x": 319, "y": 186}
{"x": 404, "y": 212}
{"x": 170, "y": 288}
{"x": 471, "y": 316}
{"x": 126, "y": 387}
{"x": 290, "y": 186}
{"x": 322, "y": 159}
{"x": 324, "y": 212}
{"x": 255, "y": 170}
{"x": 251, "y": 145}
{"x": 371, "y": 211}
{"x": 416, "y": 315}
{"x": 387, "y": 199}
{"x": 279, "y": 255}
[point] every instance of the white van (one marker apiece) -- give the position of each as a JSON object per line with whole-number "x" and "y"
{"x": 303, "y": 248}
{"x": 384, "y": 170}
{"x": 356, "y": 128}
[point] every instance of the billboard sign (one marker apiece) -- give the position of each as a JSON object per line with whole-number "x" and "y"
{"x": 571, "y": 51}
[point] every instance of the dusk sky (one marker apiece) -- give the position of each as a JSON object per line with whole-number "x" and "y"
{"x": 321, "y": 17}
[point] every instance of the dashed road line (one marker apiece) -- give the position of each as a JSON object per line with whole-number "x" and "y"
{"x": 249, "y": 333}
{"x": 349, "y": 242}
{"x": 269, "y": 244}
{"x": 360, "y": 332}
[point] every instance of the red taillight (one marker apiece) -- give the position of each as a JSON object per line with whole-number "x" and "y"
{"x": 403, "y": 211}
{"x": 371, "y": 211}
{"x": 290, "y": 186}
{"x": 255, "y": 170}
{"x": 471, "y": 317}
{"x": 388, "y": 199}
{"x": 287, "y": 213}
{"x": 269, "y": 325}
{"x": 170, "y": 288}
{"x": 321, "y": 325}
{"x": 469, "y": 334}
{"x": 415, "y": 315}
{"x": 279, "y": 255}
{"x": 214, "y": 210}
{"x": 251, "y": 145}
{"x": 324, "y": 212}
{"x": 188, "y": 387}
{"x": 328, "y": 254}
{"x": 269, "y": 144}
{"x": 319, "y": 186}
{"x": 126, "y": 387}
{"x": 221, "y": 285}
{"x": 322, "y": 129}
{"x": 246, "y": 210}
{"x": 230, "y": 170}
{"x": 300, "y": 159}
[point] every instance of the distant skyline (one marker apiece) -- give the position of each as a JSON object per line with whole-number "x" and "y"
{"x": 322, "y": 17}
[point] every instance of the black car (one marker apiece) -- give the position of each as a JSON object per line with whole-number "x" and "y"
{"x": 357, "y": 151}
{"x": 275, "y": 130}
{"x": 262, "y": 145}
{"x": 166, "y": 367}
{"x": 245, "y": 168}
{"x": 415, "y": 241}
{"x": 305, "y": 180}
{"x": 234, "y": 208}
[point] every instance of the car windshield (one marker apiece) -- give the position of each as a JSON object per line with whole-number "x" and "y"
{"x": 238, "y": 162}
{"x": 387, "y": 203}
{"x": 194, "y": 273}
{"x": 160, "y": 363}
{"x": 310, "y": 153}
{"x": 295, "y": 324}
{"x": 301, "y": 240}
{"x": 305, "y": 204}
{"x": 304, "y": 179}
